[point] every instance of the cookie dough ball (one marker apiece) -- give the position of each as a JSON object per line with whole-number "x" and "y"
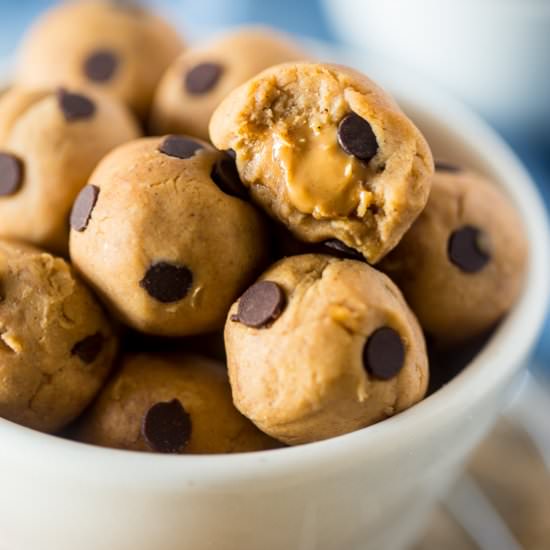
{"x": 56, "y": 345}
{"x": 328, "y": 153}
{"x": 322, "y": 346}
{"x": 13, "y": 103}
{"x": 108, "y": 46}
{"x": 170, "y": 403}
{"x": 461, "y": 265}
{"x": 201, "y": 77}
{"x": 50, "y": 143}
{"x": 161, "y": 237}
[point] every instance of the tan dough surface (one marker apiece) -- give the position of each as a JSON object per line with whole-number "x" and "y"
{"x": 302, "y": 379}
{"x": 453, "y": 305}
{"x": 241, "y": 54}
{"x": 156, "y": 208}
{"x": 55, "y": 49}
{"x": 13, "y": 103}
{"x": 201, "y": 386}
{"x": 58, "y": 158}
{"x": 283, "y": 123}
{"x": 44, "y": 312}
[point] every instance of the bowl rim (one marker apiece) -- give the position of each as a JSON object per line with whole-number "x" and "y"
{"x": 500, "y": 358}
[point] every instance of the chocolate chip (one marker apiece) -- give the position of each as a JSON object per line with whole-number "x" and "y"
{"x": 202, "y": 78}
{"x": 226, "y": 177}
{"x": 384, "y": 353}
{"x": 83, "y": 207}
{"x": 469, "y": 249}
{"x": 231, "y": 153}
{"x": 101, "y": 65}
{"x": 11, "y": 174}
{"x": 180, "y": 147}
{"x": 89, "y": 348}
{"x": 167, "y": 282}
{"x": 261, "y": 304}
{"x": 75, "y": 106}
{"x": 356, "y": 137}
{"x": 446, "y": 167}
{"x": 343, "y": 249}
{"x": 166, "y": 427}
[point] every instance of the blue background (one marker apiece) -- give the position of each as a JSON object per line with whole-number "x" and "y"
{"x": 200, "y": 17}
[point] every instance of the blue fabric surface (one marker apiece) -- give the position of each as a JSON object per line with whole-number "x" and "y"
{"x": 535, "y": 153}
{"x": 307, "y": 19}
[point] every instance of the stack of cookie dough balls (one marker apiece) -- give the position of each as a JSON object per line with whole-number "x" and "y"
{"x": 202, "y": 76}
{"x": 322, "y": 346}
{"x": 163, "y": 235}
{"x": 259, "y": 156}
{"x": 50, "y": 142}
{"x": 110, "y": 46}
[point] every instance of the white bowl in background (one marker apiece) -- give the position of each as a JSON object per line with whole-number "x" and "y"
{"x": 371, "y": 489}
{"x": 494, "y": 54}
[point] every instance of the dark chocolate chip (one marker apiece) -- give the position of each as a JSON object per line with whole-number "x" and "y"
{"x": 384, "y": 353}
{"x": 226, "y": 177}
{"x": 89, "y": 348}
{"x": 167, "y": 282}
{"x": 356, "y": 137}
{"x": 11, "y": 174}
{"x": 166, "y": 427}
{"x": 180, "y": 146}
{"x": 469, "y": 249}
{"x": 75, "y": 106}
{"x": 83, "y": 207}
{"x": 343, "y": 249}
{"x": 101, "y": 65}
{"x": 202, "y": 78}
{"x": 446, "y": 167}
{"x": 261, "y": 304}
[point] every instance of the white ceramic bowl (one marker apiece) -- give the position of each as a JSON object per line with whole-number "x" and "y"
{"x": 370, "y": 489}
{"x": 492, "y": 53}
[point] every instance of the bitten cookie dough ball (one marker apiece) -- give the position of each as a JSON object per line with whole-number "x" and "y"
{"x": 328, "y": 153}
{"x": 56, "y": 345}
{"x": 322, "y": 346}
{"x": 201, "y": 77}
{"x": 170, "y": 403}
{"x": 50, "y": 143}
{"x": 160, "y": 235}
{"x": 462, "y": 263}
{"x": 109, "y": 46}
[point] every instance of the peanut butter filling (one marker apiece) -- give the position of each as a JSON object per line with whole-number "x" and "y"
{"x": 321, "y": 179}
